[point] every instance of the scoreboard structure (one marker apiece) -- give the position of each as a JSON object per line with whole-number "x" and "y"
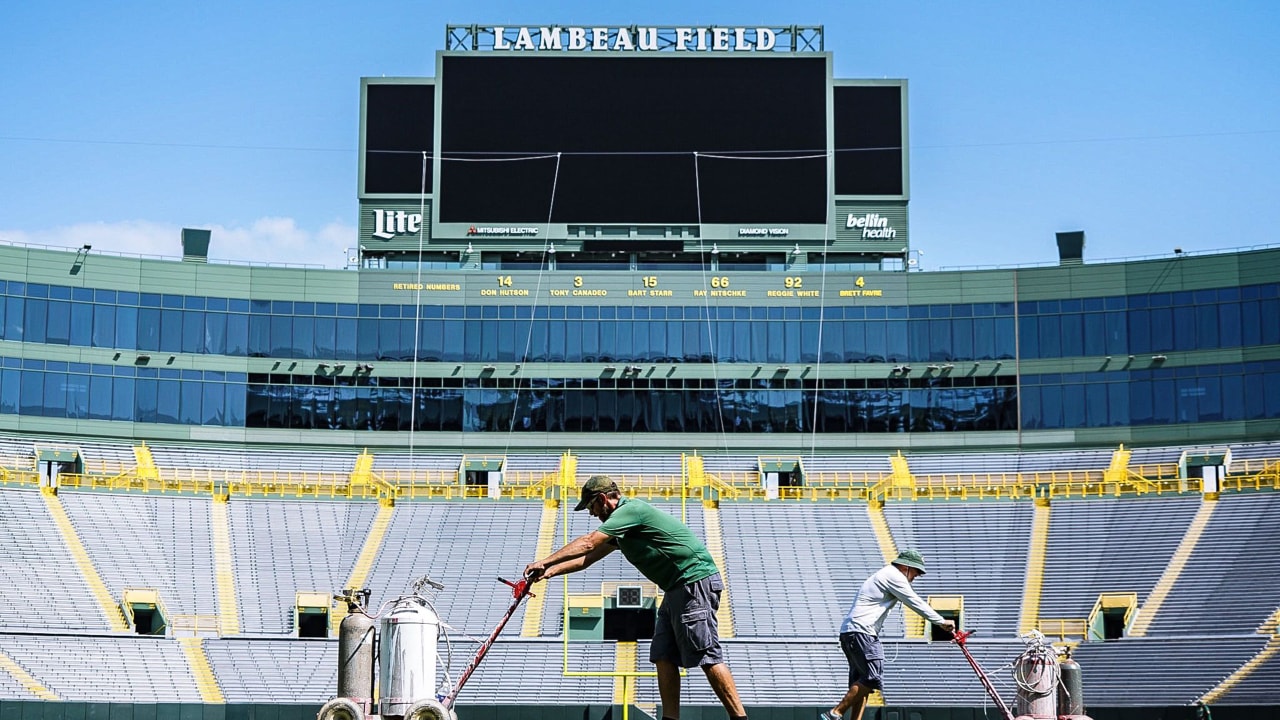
{"x": 622, "y": 147}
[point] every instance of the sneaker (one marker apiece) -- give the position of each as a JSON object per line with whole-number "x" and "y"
{"x": 829, "y": 715}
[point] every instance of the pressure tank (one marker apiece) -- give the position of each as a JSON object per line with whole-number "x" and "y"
{"x": 407, "y": 655}
{"x": 356, "y": 657}
{"x": 1071, "y": 691}
{"x": 1036, "y": 674}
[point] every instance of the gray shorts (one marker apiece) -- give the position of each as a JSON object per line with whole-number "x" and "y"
{"x": 686, "y": 632}
{"x": 865, "y": 654}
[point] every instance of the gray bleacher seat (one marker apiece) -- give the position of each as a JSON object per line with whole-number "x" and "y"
{"x": 465, "y": 546}
{"x": 416, "y": 461}
{"x": 794, "y": 568}
{"x": 715, "y": 463}
{"x": 275, "y": 671}
{"x": 1261, "y": 687}
{"x": 620, "y": 465}
{"x": 149, "y": 541}
{"x": 978, "y": 550}
{"x": 1159, "y": 672}
{"x": 43, "y": 585}
{"x": 1109, "y": 545}
{"x": 140, "y": 669}
{"x": 1222, "y": 584}
{"x": 281, "y": 547}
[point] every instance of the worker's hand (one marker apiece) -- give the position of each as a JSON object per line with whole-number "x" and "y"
{"x": 948, "y": 625}
{"x": 535, "y": 571}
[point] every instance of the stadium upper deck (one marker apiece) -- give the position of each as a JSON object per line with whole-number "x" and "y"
{"x": 1154, "y": 352}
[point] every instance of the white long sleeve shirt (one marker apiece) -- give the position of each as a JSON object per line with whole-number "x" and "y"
{"x": 877, "y": 596}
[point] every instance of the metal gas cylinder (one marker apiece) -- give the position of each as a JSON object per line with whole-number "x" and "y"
{"x": 1036, "y": 673}
{"x": 1070, "y": 691}
{"x": 356, "y": 635}
{"x": 407, "y": 657}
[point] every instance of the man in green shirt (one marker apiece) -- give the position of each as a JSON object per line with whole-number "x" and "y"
{"x": 666, "y": 552}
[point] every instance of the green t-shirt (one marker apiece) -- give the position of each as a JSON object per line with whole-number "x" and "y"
{"x": 660, "y": 546}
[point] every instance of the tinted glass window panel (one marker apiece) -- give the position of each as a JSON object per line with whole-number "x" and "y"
{"x": 1139, "y": 322}
{"x": 55, "y": 395}
{"x": 1117, "y": 333}
{"x": 15, "y": 319}
{"x": 1050, "y": 336}
{"x": 1184, "y": 328}
{"x": 1233, "y": 400}
{"x": 896, "y": 339}
{"x": 1163, "y": 402}
{"x": 148, "y": 331}
{"x": 237, "y": 334}
{"x": 100, "y": 397}
{"x": 34, "y": 322}
{"x": 1052, "y": 412}
{"x": 168, "y": 393}
{"x": 82, "y": 324}
{"x": 104, "y": 327}
{"x": 1029, "y": 337}
{"x": 189, "y": 408}
{"x": 215, "y": 334}
{"x": 1161, "y": 329}
{"x": 1268, "y": 312}
{"x": 1117, "y": 404}
{"x": 1210, "y": 399}
{"x": 58, "y": 323}
{"x": 1005, "y": 338}
{"x": 171, "y": 331}
{"x": 123, "y": 402}
{"x": 1228, "y": 325}
{"x": 193, "y": 332}
{"x": 1271, "y": 389}
{"x": 145, "y": 401}
{"x": 1072, "y": 335}
{"x": 77, "y": 387}
{"x": 940, "y": 343}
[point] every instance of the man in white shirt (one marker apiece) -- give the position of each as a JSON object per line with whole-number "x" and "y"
{"x": 860, "y": 631}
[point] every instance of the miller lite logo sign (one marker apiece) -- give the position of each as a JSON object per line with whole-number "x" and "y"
{"x": 390, "y": 223}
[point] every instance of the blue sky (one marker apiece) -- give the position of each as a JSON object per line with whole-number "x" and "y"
{"x": 1147, "y": 125}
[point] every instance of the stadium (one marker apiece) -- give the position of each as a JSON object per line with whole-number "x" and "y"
{"x": 680, "y": 257}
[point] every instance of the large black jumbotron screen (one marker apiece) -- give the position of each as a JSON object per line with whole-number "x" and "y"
{"x": 627, "y": 129}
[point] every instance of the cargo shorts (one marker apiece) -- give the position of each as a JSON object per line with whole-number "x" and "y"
{"x": 865, "y": 654}
{"x": 686, "y": 631}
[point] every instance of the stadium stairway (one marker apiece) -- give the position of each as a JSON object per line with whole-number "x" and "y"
{"x": 1173, "y": 570}
{"x": 224, "y": 570}
{"x": 715, "y": 545}
{"x": 532, "y": 626}
{"x": 115, "y": 617}
{"x": 624, "y": 661}
{"x": 25, "y": 679}
{"x": 1030, "y": 616}
{"x": 206, "y": 681}
{"x": 889, "y": 550}
{"x": 1271, "y": 648}
{"x": 368, "y": 553}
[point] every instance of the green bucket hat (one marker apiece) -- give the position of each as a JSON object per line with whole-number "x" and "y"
{"x": 595, "y": 485}
{"x": 911, "y": 559}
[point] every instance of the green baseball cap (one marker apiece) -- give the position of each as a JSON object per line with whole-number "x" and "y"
{"x": 595, "y": 485}
{"x": 911, "y": 559}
